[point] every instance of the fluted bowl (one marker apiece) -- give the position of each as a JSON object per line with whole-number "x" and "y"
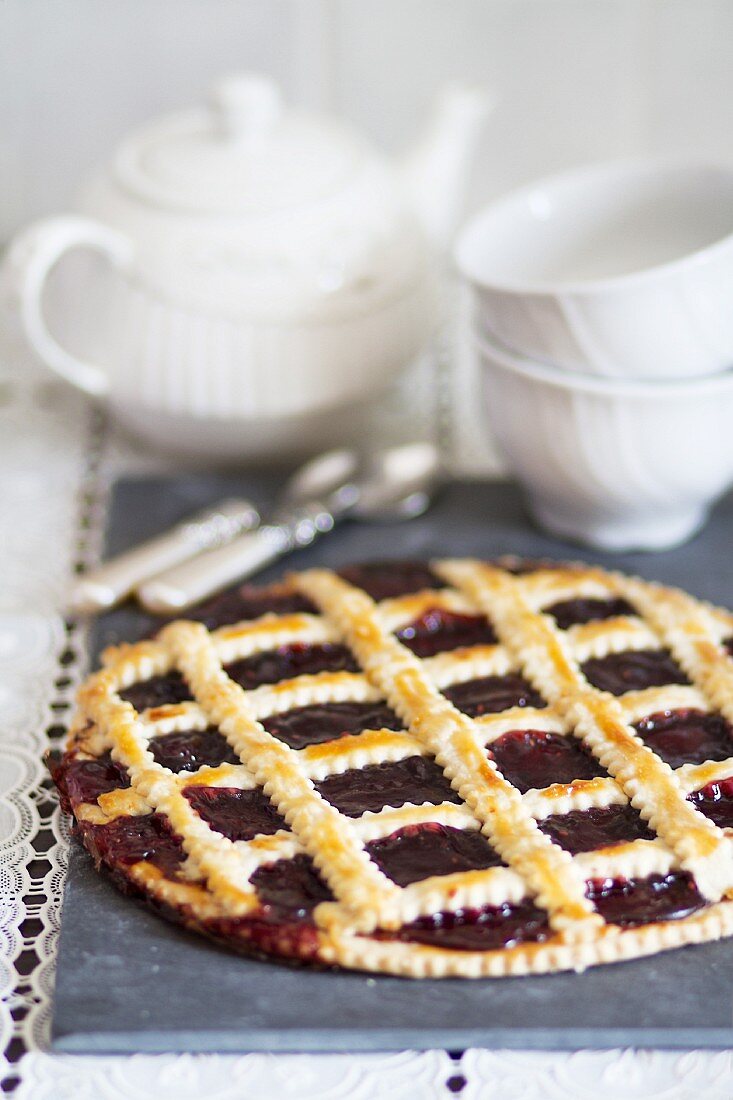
{"x": 610, "y": 462}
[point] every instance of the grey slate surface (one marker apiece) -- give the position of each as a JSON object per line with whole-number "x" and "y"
{"x": 128, "y": 981}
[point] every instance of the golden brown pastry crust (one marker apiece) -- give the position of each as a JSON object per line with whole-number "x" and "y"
{"x": 213, "y": 892}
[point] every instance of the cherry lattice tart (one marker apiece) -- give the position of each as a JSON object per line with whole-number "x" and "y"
{"x": 455, "y": 768}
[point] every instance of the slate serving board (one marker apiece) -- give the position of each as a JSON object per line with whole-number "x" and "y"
{"x": 128, "y": 981}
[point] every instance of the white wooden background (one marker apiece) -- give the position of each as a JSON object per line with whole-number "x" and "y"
{"x": 574, "y": 80}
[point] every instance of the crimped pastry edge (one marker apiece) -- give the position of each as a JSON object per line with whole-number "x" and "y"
{"x": 401, "y": 959}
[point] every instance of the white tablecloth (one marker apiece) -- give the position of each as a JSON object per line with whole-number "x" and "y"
{"x": 56, "y": 461}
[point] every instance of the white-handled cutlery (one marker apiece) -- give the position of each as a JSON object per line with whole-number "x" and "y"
{"x": 227, "y": 542}
{"x": 392, "y": 484}
{"x": 110, "y": 583}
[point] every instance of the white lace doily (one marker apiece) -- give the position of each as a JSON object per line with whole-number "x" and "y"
{"x": 55, "y": 462}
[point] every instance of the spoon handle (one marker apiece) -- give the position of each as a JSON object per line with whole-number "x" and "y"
{"x": 106, "y": 585}
{"x": 178, "y": 588}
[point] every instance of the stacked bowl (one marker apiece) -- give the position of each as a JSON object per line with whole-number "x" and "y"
{"x": 602, "y": 317}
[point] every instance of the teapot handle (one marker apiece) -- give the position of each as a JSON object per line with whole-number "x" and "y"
{"x": 31, "y": 257}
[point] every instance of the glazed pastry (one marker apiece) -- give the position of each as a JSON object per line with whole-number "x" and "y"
{"x": 459, "y": 768}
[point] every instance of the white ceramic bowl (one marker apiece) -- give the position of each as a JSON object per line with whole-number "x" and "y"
{"x": 621, "y": 270}
{"x": 616, "y": 464}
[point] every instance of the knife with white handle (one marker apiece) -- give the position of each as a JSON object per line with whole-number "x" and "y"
{"x": 103, "y": 587}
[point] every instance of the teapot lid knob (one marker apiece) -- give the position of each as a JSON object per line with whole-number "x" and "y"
{"x": 246, "y": 105}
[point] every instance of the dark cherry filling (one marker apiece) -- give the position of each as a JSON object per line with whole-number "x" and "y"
{"x": 419, "y": 851}
{"x": 644, "y": 900}
{"x": 236, "y": 814}
{"x": 686, "y": 736}
{"x": 483, "y": 929}
{"x": 415, "y": 780}
{"x": 728, "y": 645}
{"x": 158, "y": 691}
{"x": 716, "y": 802}
{"x": 633, "y": 670}
{"x": 438, "y": 631}
{"x": 85, "y": 780}
{"x": 290, "y": 888}
{"x": 128, "y": 840}
{"x": 535, "y": 759}
{"x": 289, "y": 661}
{"x": 248, "y": 602}
{"x": 492, "y": 694}
{"x": 587, "y": 830}
{"x": 328, "y": 721}
{"x": 188, "y": 750}
{"x": 571, "y": 612}
{"x": 389, "y": 579}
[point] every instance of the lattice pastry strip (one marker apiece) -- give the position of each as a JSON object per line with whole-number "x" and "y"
{"x": 636, "y": 704}
{"x": 581, "y": 794}
{"x": 373, "y": 826}
{"x": 235, "y": 643}
{"x": 324, "y": 687}
{"x": 650, "y": 784}
{"x": 401, "y": 611}
{"x": 123, "y": 802}
{"x": 635, "y": 860}
{"x": 597, "y": 639}
{"x": 692, "y": 777}
{"x": 360, "y": 751}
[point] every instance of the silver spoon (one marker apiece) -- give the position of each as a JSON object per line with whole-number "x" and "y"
{"x": 392, "y": 484}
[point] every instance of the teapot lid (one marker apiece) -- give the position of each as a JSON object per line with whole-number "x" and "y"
{"x": 245, "y": 154}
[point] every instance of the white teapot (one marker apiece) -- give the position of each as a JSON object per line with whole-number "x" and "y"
{"x": 265, "y": 271}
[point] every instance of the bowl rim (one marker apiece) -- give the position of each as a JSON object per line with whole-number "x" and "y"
{"x": 587, "y": 288}
{"x": 667, "y": 389}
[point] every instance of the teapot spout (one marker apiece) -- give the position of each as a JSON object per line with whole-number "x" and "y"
{"x": 436, "y": 169}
